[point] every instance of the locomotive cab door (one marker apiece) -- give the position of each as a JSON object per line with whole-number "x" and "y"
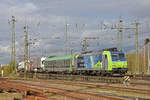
{"x": 105, "y": 62}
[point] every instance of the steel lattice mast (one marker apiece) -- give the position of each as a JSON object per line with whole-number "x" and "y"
{"x": 13, "y": 45}
{"x": 26, "y": 51}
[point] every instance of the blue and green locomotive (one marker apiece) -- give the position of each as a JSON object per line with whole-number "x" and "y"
{"x": 97, "y": 63}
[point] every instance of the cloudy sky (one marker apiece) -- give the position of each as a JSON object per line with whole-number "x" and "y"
{"x": 46, "y": 20}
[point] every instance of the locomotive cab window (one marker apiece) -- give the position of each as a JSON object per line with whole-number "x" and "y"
{"x": 121, "y": 55}
{"x": 117, "y": 56}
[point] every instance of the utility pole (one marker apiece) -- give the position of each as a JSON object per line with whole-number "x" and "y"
{"x": 71, "y": 51}
{"x": 136, "y": 44}
{"x": 85, "y": 44}
{"x": 120, "y": 34}
{"x": 146, "y": 56}
{"x": 136, "y": 48}
{"x": 84, "y": 49}
{"x": 66, "y": 41}
{"x": 149, "y": 58}
{"x": 120, "y": 30}
{"x": 144, "y": 59}
{"x": 29, "y": 45}
{"x": 13, "y": 45}
{"x": 26, "y": 51}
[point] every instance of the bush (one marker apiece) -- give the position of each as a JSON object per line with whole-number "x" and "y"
{"x": 10, "y": 68}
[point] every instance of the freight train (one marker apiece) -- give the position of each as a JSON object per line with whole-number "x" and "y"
{"x": 106, "y": 62}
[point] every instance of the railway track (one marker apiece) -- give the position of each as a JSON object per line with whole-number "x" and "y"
{"x": 134, "y": 81}
{"x": 139, "y": 76}
{"x": 75, "y": 77}
{"x": 60, "y": 93}
{"x": 98, "y": 86}
{"x": 142, "y": 77}
{"x": 87, "y": 82}
{"x": 27, "y": 93}
{"x": 140, "y": 80}
{"x": 105, "y": 87}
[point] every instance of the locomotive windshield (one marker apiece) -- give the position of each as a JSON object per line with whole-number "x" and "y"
{"x": 118, "y": 57}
